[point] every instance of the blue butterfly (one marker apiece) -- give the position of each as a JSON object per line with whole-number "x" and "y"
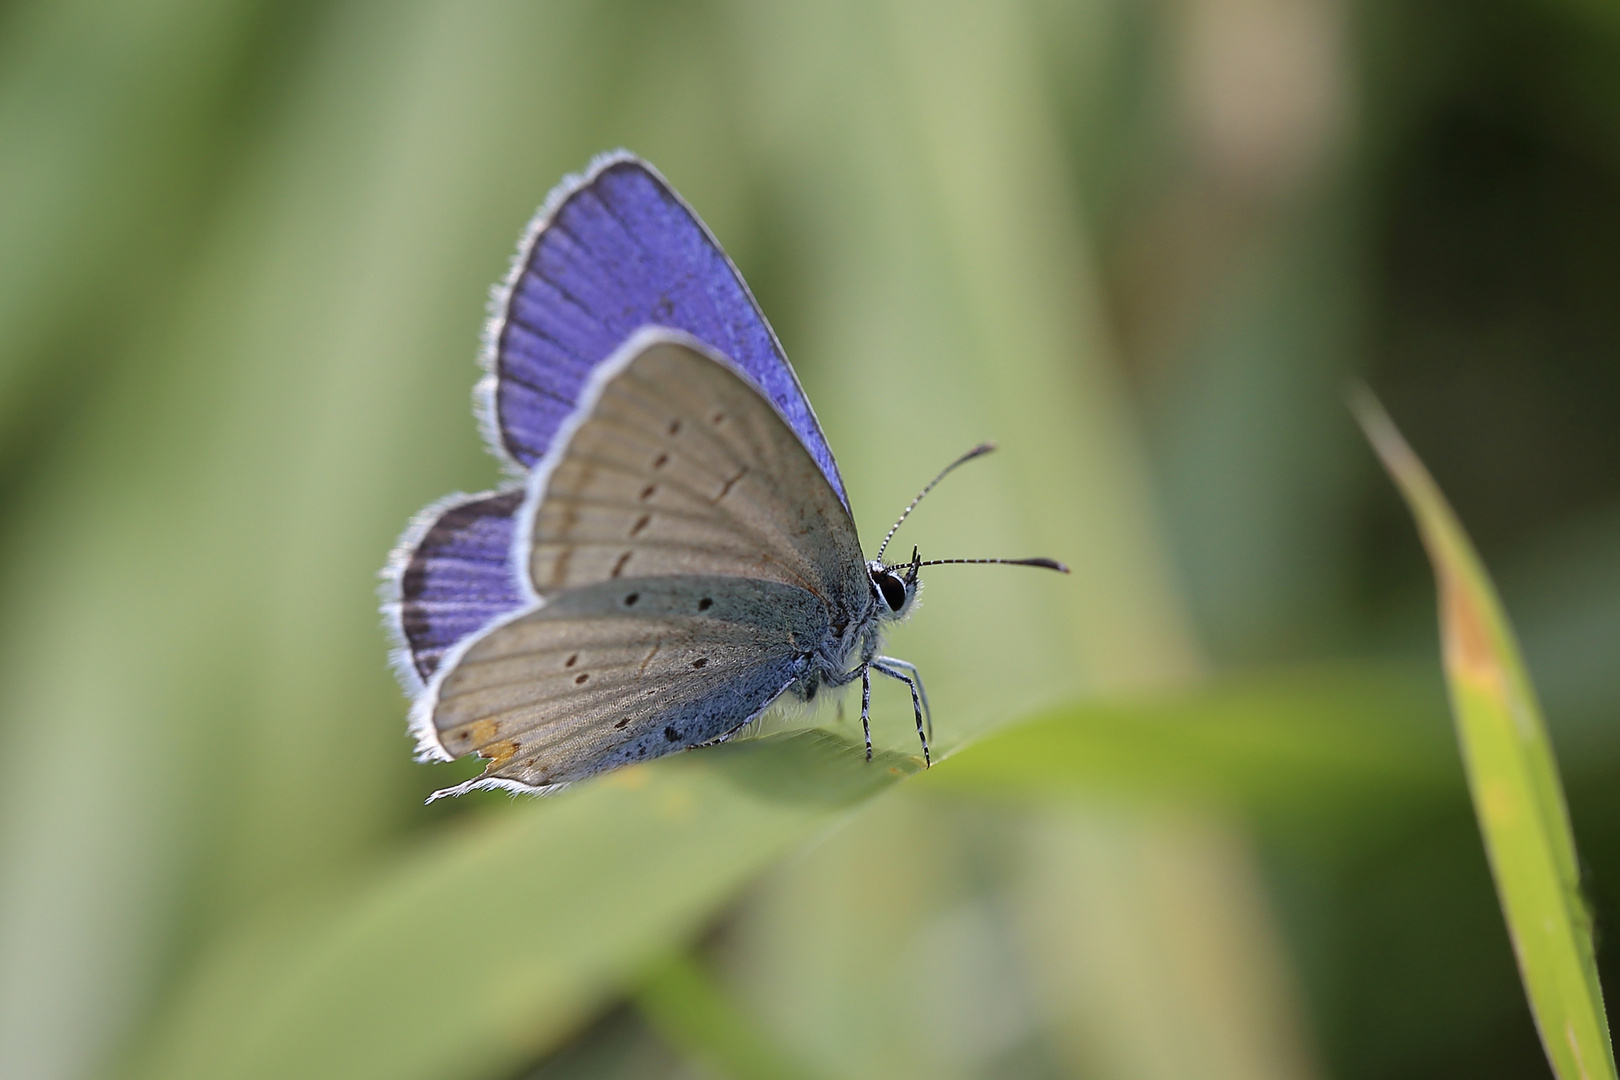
{"x": 680, "y": 553}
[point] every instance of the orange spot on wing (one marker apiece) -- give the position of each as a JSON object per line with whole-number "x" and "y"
{"x": 499, "y": 753}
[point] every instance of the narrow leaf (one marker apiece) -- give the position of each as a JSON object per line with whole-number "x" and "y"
{"x": 1354, "y": 745}
{"x": 476, "y": 954}
{"x": 1512, "y": 776}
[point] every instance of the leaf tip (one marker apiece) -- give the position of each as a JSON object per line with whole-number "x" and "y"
{"x": 1381, "y": 432}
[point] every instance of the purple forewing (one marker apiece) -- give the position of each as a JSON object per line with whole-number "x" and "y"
{"x": 611, "y": 253}
{"x": 453, "y": 576}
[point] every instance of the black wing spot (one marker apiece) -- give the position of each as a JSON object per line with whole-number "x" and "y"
{"x": 630, "y": 600}
{"x": 701, "y": 662}
{"x": 647, "y": 492}
{"x": 641, "y": 523}
{"x": 659, "y": 462}
{"x": 671, "y": 734}
{"x": 571, "y": 661}
{"x": 618, "y": 567}
{"x": 620, "y": 725}
{"x": 581, "y": 677}
{"x": 675, "y": 426}
{"x": 705, "y": 604}
{"x": 717, "y": 419}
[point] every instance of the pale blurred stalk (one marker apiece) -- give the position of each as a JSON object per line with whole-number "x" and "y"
{"x": 966, "y": 219}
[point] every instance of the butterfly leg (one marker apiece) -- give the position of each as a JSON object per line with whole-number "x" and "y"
{"x": 916, "y": 705}
{"x": 866, "y": 709}
{"x": 911, "y": 669}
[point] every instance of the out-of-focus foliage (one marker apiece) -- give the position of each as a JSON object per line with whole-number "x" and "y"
{"x": 244, "y": 250}
{"x": 622, "y": 869}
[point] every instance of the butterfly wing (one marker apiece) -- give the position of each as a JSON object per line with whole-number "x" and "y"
{"x": 676, "y": 465}
{"x": 587, "y": 682}
{"x": 610, "y": 252}
{"x": 450, "y": 576}
{"x": 688, "y": 559}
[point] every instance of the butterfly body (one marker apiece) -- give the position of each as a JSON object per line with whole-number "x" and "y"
{"x": 681, "y": 552}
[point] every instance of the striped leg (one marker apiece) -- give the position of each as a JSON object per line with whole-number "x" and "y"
{"x": 911, "y": 669}
{"x": 916, "y": 705}
{"x": 866, "y": 710}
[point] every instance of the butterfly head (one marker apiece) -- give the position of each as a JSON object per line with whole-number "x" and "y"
{"x": 894, "y": 587}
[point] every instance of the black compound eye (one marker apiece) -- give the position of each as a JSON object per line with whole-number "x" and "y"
{"x": 891, "y": 588}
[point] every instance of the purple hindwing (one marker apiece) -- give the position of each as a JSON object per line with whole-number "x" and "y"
{"x": 451, "y": 576}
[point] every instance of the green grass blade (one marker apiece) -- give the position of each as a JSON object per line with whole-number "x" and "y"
{"x": 1306, "y": 748}
{"x": 1512, "y": 776}
{"x": 476, "y": 954}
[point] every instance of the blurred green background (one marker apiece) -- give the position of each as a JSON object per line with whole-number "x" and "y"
{"x": 244, "y": 253}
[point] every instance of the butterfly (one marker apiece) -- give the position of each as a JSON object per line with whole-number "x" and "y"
{"x": 676, "y": 552}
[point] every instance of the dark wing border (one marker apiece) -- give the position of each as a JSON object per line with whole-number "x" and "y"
{"x": 462, "y": 537}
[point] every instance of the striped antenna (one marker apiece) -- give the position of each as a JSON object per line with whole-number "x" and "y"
{"x": 978, "y": 451}
{"x": 1044, "y": 564}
